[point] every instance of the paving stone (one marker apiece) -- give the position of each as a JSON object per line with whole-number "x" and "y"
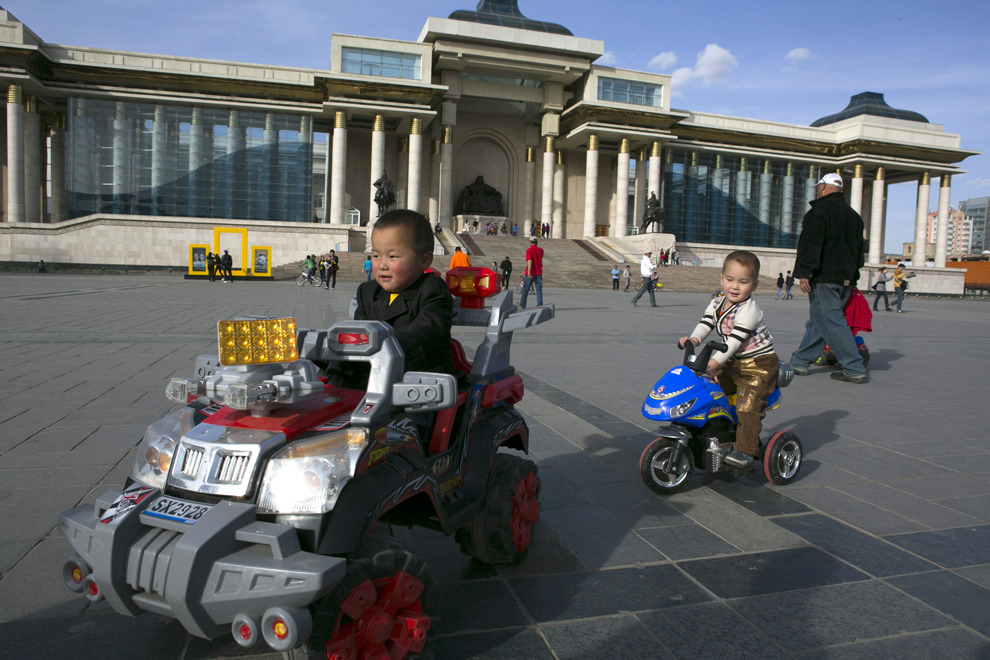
{"x": 709, "y": 630}
{"x": 597, "y": 538}
{"x": 913, "y": 508}
{"x": 769, "y": 572}
{"x": 949, "y": 548}
{"x": 686, "y": 542}
{"x": 494, "y": 645}
{"x": 978, "y": 574}
{"x": 759, "y": 497}
{"x": 615, "y": 637}
{"x": 602, "y": 593}
{"x": 967, "y": 602}
{"x": 853, "y": 511}
{"x": 861, "y": 550}
{"x": 462, "y": 602}
{"x": 33, "y": 513}
{"x": 634, "y": 504}
{"x": 950, "y": 643}
{"x": 829, "y": 615}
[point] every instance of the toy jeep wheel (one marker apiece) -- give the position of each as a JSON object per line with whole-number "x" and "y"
{"x": 503, "y": 531}
{"x": 386, "y": 606}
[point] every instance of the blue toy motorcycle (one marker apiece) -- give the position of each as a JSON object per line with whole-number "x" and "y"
{"x": 702, "y": 427}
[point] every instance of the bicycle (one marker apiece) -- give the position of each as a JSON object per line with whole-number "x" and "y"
{"x": 304, "y": 277}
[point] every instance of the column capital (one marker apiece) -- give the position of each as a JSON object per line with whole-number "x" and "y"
{"x": 448, "y": 135}
{"x": 530, "y": 154}
{"x": 655, "y": 150}
{"x": 945, "y": 181}
{"x": 925, "y": 179}
{"x": 31, "y": 104}
{"x": 548, "y": 144}
{"x": 718, "y": 161}
{"x": 379, "y": 124}
{"x": 879, "y": 174}
{"x": 858, "y": 171}
{"x": 641, "y": 154}
{"x": 592, "y": 143}
{"x": 416, "y": 126}
{"x": 403, "y": 144}
{"x": 15, "y": 94}
{"x": 560, "y": 157}
{"x": 340, "y": 119}
{"x": 790, "y": 170}
{"x": 435, "y": 148}
{"x": 624, "y": 146}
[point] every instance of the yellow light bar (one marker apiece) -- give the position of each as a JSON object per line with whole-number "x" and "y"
{"x": 257, "y": 342}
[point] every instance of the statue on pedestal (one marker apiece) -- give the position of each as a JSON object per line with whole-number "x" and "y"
{"x": 653, "y": 214}
{"x": 384, "y": 193}
{"x": 479, "y": 198}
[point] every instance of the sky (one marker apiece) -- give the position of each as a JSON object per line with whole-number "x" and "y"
{"x": 776, "y": 60}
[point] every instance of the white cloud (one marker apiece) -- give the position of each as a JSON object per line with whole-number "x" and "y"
{"x": 607, "y": 59}
{"x": 797, "y": 54}
{"x": 663, "y": 61}
{"x": 715, "y": 66}
{"x": 978, "y": 182}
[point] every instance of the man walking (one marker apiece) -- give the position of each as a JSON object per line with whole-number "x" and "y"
{"x": 646, "y": 268}
{"x": 226, "y": 264}
{"x": 534, "y": 273}
{"x": 506, "y": 268}
{"x": 829, "y": 256}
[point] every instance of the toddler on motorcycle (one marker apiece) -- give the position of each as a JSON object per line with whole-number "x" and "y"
{"x": 748, "y": 369}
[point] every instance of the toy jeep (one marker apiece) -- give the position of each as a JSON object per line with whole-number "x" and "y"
{"x": 257, "y": 508}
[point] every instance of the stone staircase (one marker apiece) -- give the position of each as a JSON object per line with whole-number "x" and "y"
{"x": 567, "y": 263}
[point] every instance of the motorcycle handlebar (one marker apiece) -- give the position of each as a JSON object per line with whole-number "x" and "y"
{"x": 699, "y": 363}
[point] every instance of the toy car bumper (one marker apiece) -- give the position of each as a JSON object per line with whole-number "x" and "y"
{"x": 213, "y": 568}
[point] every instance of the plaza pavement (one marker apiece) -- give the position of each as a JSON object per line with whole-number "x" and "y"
{"x": 881, "y": 547}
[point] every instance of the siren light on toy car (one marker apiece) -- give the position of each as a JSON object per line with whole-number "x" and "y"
{"x": 472, "y": 284}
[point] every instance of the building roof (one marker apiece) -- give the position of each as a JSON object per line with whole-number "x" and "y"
{"x": 869, "y": 103}
{"x": 506, "y": 14}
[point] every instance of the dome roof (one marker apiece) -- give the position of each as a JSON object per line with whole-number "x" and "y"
{"x": 506, "y": 13}
{"x": 869, "y": 103}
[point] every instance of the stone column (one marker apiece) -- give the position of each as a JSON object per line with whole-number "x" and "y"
{"x": 32, "y": 161}
{"x": 856, "y": 190}
{"x": 529, "y": 185}
{"x": 591, "y": 186}
{"x": 159, "y": 148}
{"x": 338, "y": 168}
{"x": 377, "y": 165}
{"x": 877, "y": 193}
{"x": 620, "y": 223}
{"x": 59, "y": 212}
{"x": 414, "y": 185}
{"x": 546, "y": 190}
{"x": 742, "y": 192}
{"x": 557, "y": 224}
{"x": 15, "y": 154}
{"x": 716, "y": 204}
{"x": 446, "y": 177}
{"x": 435, "y": 182}
{"x": 269, "y": 167}
{"x": 787, "y": 204}
{"x": 639, "y": 185}
{"x": 655, "y": 174}
{"x": 921, "y": 220}
{"x": 766, "y": 183}
{"x": 944, "y": 188}
{"x": 122, "y": 158}
{"x": 402, "y": 175}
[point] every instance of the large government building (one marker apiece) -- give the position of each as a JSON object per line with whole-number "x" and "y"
{"x": 108, "y": 153}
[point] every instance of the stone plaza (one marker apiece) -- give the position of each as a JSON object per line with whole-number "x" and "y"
{"x": 879, "y": 548}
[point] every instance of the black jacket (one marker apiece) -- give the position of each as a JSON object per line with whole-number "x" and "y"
{"x": 506, "y": 266}
{"x": 830, "y": 249}
{"x": 421, "y": 316}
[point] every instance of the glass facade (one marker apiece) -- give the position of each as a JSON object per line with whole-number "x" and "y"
{"x": 735, "y": 200}
{"x": 389, "y": 64}
{"x": 147, "y": 159}
{"x": 630, "y": 91}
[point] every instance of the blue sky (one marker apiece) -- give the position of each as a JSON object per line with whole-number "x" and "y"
{"x": 785, "y": 61}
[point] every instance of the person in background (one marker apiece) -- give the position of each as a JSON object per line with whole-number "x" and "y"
{"x": 880, "y": 289}
{"x": 534, "y": 272}
{"x": 226, "y": 266}
{"x": 780, "y": 286}
{"x": 459, "y": 259}
{"x": 333, "y": 265}
{"x": 646, "y": 268}
{"x": 615, "y": 277}
{"x": 506, "y": 268}
{"x": 788, "y": 283}
{"x": 900, "y": 286}
{"x": 626, "y": 276}
{"x": 367, "y": 268}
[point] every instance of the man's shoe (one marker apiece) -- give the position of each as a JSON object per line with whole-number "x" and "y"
{"x": 738, "y": 459}
{"x": 845, "y": 378}
{"x": 800, "y": 371}
{"x": 654, "y": 305}
{"x": 633, "y": 303}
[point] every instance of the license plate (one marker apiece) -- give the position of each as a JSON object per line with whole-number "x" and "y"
{"x": 168, "y": 508}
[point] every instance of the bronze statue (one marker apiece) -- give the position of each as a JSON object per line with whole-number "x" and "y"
{"x": 384, "y": 193}
{"x": 653, "y": 214}
{"x": 479, "y": 198}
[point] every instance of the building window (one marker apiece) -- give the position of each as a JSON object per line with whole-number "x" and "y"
{"x": 385, "y": 63}
{"x": 630, "y": 91}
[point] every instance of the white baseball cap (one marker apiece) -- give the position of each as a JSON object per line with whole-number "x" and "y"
{"x": 831, "y": 179}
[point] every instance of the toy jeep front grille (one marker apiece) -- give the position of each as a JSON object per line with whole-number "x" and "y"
{"x": 222, "y": 461}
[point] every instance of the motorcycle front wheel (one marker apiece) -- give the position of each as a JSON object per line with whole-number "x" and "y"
{"x": 656, "y": 470}
{"x": 782, "y": 458}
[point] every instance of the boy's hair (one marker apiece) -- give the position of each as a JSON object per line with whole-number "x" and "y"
{"x": 416, "y": 223}
{"x": 747, "y": 260}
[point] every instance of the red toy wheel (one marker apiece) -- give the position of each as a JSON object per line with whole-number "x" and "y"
{"x": 385, "y": 607}
{"x": 782, "y": 458}
{"x": 503, "y": 531}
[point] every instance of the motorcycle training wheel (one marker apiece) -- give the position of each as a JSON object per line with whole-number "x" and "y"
{"x": 782, "y": 458}
{"x": 502, "y": 531}
{"x": 655, "y": 458}
{"x": 386, "y": 606}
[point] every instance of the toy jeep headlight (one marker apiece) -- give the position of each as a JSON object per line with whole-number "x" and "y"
{"x": 154, "y": 456}
{"x": 307, "y": 475}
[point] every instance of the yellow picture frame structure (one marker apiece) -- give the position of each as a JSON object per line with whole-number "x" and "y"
{"x": 261, "y": 260}
{"x": 240, "y": 261}
{"x": 198, "y": 266}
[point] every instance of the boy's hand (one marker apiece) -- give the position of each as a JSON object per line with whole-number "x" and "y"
{"x": 682, "y": 342}
{"x": 712, "y": 368}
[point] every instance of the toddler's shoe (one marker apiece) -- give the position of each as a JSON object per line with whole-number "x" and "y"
{"x": 738, "y": 459}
